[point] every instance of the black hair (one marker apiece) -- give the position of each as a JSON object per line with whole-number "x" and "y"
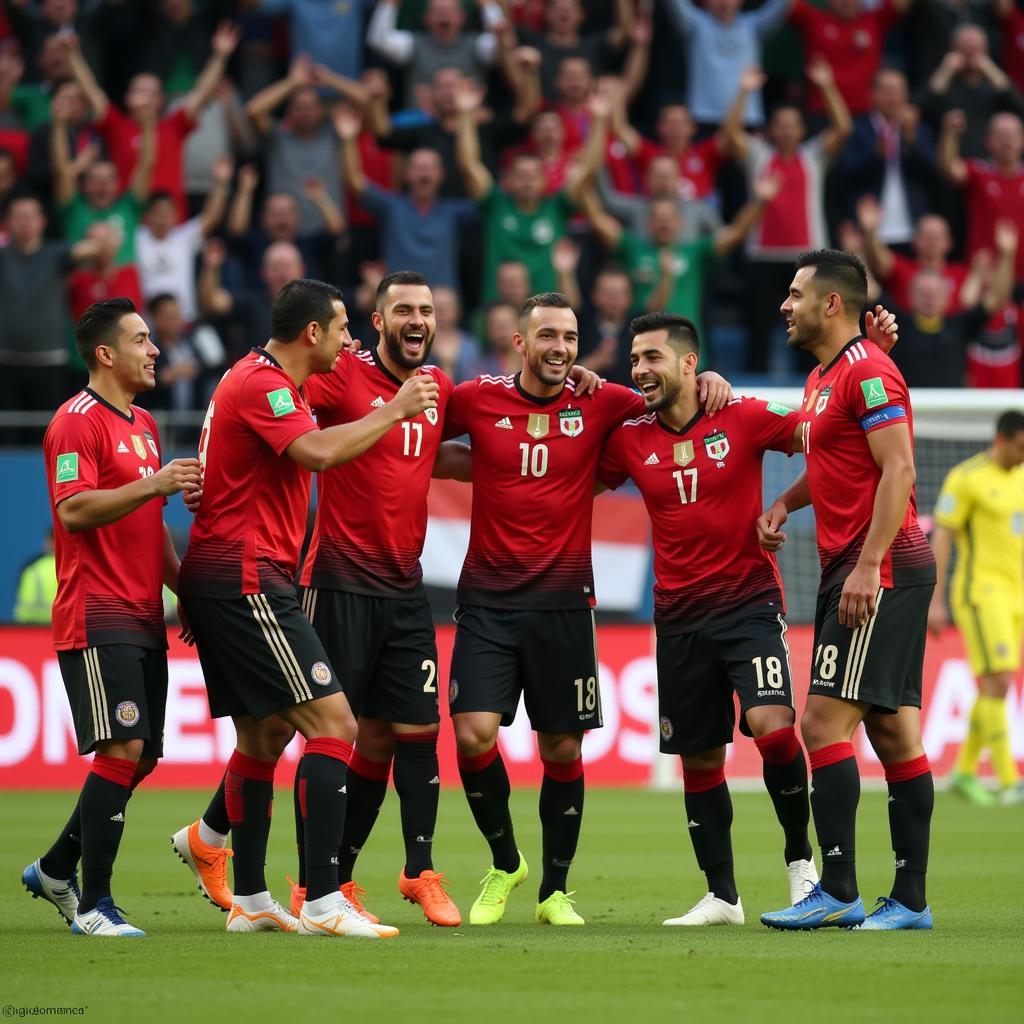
{"x": 298, "y": 304}
{"x": 1010, "y": 424}
{"x": 840, "y": 272}
{"x": 99, "y": 325}
{"x": 159, "y": 300}
{"x": 543, "y": 300}
{"x": 398, "y": 277}
{"x": 681, "y": 331}
{"x": 161, "y": 195}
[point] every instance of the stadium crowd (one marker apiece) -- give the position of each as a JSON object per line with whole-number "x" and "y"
{"x": 195, "y": 156}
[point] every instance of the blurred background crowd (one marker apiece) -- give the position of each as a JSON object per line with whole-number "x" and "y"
{"x": 636, "y": 154}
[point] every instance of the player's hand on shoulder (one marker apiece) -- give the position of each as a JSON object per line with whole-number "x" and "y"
{"x": 587, "y": 381}
{"x": 418, "y": 393}
{"x": 860, "y": 592}
{"x": 178, "y": 475}
{"x": 714, "y": 392}
{"x": 769, "y": 524}
{"x": 881, "y": 328}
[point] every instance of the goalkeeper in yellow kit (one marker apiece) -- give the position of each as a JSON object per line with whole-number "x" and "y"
{"x": 981, "y": 509}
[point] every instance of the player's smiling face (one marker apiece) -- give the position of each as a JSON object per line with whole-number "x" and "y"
{"x": 658, "y": 369}
{"x": 406, "y": 324}
{"x": 548, "y": 345}
{"x": 332, "y": 338}
{"x": 132, "y": 359}
{"x": 803, "y": 310}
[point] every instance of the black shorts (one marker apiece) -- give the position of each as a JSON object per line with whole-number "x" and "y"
{"x": 383, "y": 650}
{"x": 548, "y": 656}
{"x": 699, "y": 672}
{"x": 259, "y": 654}
{"x": 879, "y": 663}
{"x": 117, "y": 692}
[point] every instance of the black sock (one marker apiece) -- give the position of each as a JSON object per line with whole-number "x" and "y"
{"x": 366, "y": 788}
{"x": 835, "y": 793}
{"x": 249, "y": 798}
{"x": 102, "y": 803}
{"x": 561, "y": 814}
{"x": 216, "y": 815}
{"x": 911, "y": 801}
{"x": 62, "y": 858}
{"x": 300, "y": 824}
{"x": 418, "y": 786}
{"x": 709, "y": 822}
{"x": 324, "y": 771}
{"x": 785, "y": 777}
{"x": 487, "y": 789}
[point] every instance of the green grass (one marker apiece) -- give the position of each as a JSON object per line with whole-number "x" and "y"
{"x": 634, "y": 868}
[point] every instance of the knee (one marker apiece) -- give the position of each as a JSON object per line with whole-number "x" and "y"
{"x": 125, "y": 750}
{"x": 892, "y": 743}
{"x": 375, "y": 744}
{"x": 145, "y": 766}
{"x": 816, "y": 729}
{"x": 769, "y": 719}
{"x": 705, "y": 761}
{"x": 273, "y": 740}
{"x": 473, "y": 738}
{"x": 565, "y": 749}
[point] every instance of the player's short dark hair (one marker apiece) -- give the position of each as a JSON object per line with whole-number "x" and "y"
{"x": 161, "y": 299}
{"x": 543, "y": 300}
{"x": 100, "y": 325}
{"x": 298, "y": 304}
{"x": 159, "y": 196}
{"x": 1010, "y": 424}
{"x": 681, "y": 332}
{"x": 840, "y": 272}
{"x": 398, "y": 277}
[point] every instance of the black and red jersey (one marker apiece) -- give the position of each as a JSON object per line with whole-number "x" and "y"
{"x": 372, "y": 512}
{"x": 860, "y": 391}
{"x": 534, "y": 467}
{"x": 702, "y": 488}
{"x": 109, "y": 579}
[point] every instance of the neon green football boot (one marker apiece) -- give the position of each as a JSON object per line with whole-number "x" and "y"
{"x": 558, "y": 909}
{"x": 489, "y": 907}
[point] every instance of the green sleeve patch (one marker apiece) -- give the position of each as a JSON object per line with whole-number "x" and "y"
{"x": 281, "y": 401}
{"x": 779, "y": 409}
{"x": 874, "y": 392}
{"x": 67, "y": 467}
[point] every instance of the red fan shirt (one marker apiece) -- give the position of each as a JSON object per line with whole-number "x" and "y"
{"x": 699, "y": 165}
{"x": 903, "y": 272}
{"x": 702, "y": 488}
{"x": 534, "y": 467}
{"x": 109, "y": 579}
{"x": 860, "y": 391}
{"x": 372, "y": 511}
{"x": 991, "y": 196}
{"x": 248, "y": 531}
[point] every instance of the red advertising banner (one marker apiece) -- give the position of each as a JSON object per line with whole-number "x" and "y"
{"x": 37, "y": 746}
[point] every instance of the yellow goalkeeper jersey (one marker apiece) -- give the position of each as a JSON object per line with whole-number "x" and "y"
{"x": 984, "y": 504}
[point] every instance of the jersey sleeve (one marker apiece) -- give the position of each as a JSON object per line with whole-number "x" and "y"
{"x": 611, "y": 469}
{"x": 273, "y": 409}
{"x": 769, "y": 425}
{"x": 876, "y": 393}
{"x": 72, "y": 457}
{"x": 620, "y": 404}
{"x": 324, "y": 390}
{"x": 460, "y": 408}
{"x": 955, "y": 500}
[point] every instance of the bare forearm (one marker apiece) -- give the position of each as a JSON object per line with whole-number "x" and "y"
{"x": 240, "y": 214}
{"x": 942, "y": 548}
{"x": 797, "y": 495}
{"x": 88, "y": 510}
{"x": 172, "y": 564}
{"x": 658, "y": 299}
{"x": 320, "y": 450}
{"x": 454, "y": 462}
{"x": 353, "y": 165}
{"x": 206, "y": 85}
{"x": 727, "y": 238}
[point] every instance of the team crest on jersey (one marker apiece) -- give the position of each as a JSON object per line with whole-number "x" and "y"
{"x": 431, "y": 415}
{"x": 682, "y": 453}
{"x": 453, "y": 691}
{"x": 321, "y": 674}
{"x": 666, "y": 728}
{"x": 152, "y": 443}
{"x": 717, "y": 446}
{"x": 127, "y": 713}
{"x": 140, "y": 448}
{"x": 570, "y": 421}
{"x": 823, "y": 395}
{"x": 538, "y": 425}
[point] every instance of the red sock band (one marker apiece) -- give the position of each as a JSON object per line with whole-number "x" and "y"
{"x": 904, "y": 771}
{"x": 563, "y": 771}
{"x": 327, "y": 746}
{"x": 779, "y": 747}
{"x": 378, "y": 771}
{"x": 477, "y": 762}
{"x": 700, "y": 780}
{"x": 114, "y": 769}
{"x": 416, "y": 737}
{"x": 251, "y": 767}
{"x": 831, "y": 754}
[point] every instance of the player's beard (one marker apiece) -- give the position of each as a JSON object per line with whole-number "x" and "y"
{"x": 670, "y": 391}
{"x": 393, "y": 344}
{"x": 548, "y": 375}
{"x": 806, "y": 333}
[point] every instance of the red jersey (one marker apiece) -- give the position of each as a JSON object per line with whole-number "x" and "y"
{"x": 534, "y": 467}
{"x": 904, "y": 270}
{"x": 109, "y": 579}
{"x": 699, "y": 165}
{"x": 87, "y": 286}
{"x": 1013, "y": 45}
{"x": 861, "y": 390}
{"x": 122, "y": 136}
{"x": 704, "y": 481}
{"x": 852, "y": 46}
{"x": 248, "y": 531}
{"x": 991, "y": 196}
{"x": 371, "y": 514}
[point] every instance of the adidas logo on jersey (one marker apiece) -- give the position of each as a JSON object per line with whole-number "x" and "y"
{"x": 435, "y": 781}
{"x": 572, "y": 813}
{"x": 378, "y": 402}
{"x": 505, "y": 423}
{"x": 652, "y": 459}
{"x": 117, "y": 817}
{"x": 122, "y": 448}
{"x": 834, "y": 852}
{"x": 691, "y": 824}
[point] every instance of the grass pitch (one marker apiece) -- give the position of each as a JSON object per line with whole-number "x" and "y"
{"x": 634, "y": 868}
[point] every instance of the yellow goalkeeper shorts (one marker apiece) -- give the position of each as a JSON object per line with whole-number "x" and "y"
{"x": 992, "y": 633}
